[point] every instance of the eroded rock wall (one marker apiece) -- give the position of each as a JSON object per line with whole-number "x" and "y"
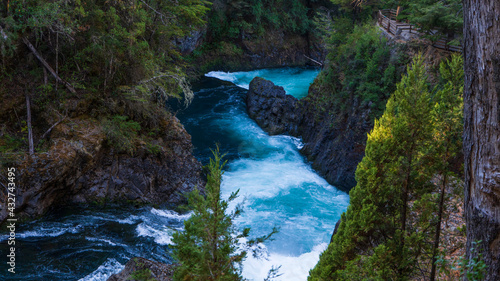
{"x": 80, "y": 167}
{"x": 334, "y": 144}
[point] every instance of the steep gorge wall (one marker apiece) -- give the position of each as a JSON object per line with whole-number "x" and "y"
{"x": 235, "y": 40}
{"x": 336, "y": 144}
{"x": 340, "y": 108}
{"x": 334, "y": 150}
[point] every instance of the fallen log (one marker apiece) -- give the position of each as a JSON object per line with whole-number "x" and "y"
{"x": 50, "y": 129}
{"x": 313, "y": 60}
{"x": 47, "y": 66}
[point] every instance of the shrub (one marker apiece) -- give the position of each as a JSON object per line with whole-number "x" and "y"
{"x": 121, "y": 133}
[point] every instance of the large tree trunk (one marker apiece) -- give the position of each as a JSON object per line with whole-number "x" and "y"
{"x": 482, "y": 130}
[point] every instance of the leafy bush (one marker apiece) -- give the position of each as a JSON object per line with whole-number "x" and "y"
{"x": 256, "y": 16}
{"x": 111, "y": 43}
{"x": 474, "y": 269}
{"x": 11, "y": 149}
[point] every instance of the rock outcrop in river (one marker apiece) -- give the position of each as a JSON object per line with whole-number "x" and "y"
{"x": 335, "y": 151}
{"x": 272, "y": 109}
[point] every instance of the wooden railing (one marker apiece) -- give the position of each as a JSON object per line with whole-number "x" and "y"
{"x": 387, "y": 19}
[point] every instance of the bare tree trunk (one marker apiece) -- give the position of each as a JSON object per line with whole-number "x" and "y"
{"x": 482, "y": 131}
{"x": 437, "y": 235}
{"x": 57, "y": 57}
{"x": 44, "y": 76}
{"x": 30, "y": 132}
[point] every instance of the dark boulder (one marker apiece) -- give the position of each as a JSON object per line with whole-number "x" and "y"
{"x": 272, "y": 109}
{"x": 144, "y": 269}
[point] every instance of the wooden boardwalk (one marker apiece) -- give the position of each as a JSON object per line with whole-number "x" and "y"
{"x": 387, "y": 21}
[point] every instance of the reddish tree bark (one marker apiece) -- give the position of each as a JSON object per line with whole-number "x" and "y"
{"x": 482, "y": 130}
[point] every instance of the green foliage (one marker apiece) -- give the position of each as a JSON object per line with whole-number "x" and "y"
{"x": 475, "y": 268}
{"x": 25, "y": 16}
{"x": 448, "y": 112}
{"x": 361, "y": 67}
{"x": 387, "y": 230}
{"x": 10, "y": 148}
{"x": 444, "y": 17}
{"x": 142, "y": 275}
{"x": 153, "y": 148}
{"x": 359, "y": 10}
{"x": 122, "y": 57}
{"x": 110, "y": 43}
{"x": 208, "y": 248}
{"x": 121, "y": 133}
{"x": 255, "y": 17}
{"x": 10, "y": 143}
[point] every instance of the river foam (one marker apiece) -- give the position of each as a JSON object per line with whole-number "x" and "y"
{"x": 277, "y": 186}
{"x": 104, "y": 271}
{"x": 297, "y": 86}
{"x": 290, "y": 268}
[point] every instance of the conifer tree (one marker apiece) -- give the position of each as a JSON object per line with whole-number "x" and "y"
{"x": 447, "y": 116}
{"x": 208, "y": 249}
{"x": 375, "y": 239}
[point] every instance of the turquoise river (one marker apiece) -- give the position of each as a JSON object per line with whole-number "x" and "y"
{"x": 277, "y": 186}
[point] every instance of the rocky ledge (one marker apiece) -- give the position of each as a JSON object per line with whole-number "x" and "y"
{"x": 80, "y": 167}
{"x": 334, "y": 144}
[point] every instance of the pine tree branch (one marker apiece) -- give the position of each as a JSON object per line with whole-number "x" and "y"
{"x": 162, "y": 16}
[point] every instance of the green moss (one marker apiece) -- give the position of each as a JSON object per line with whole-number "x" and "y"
{"x": 142, "y": 275}
{"x": 121, "y": 133}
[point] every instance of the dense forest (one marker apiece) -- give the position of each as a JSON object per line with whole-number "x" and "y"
{"x": 118, "y": 56}
{"x": 406, "y": 180}
{"x": 92, "y": 74}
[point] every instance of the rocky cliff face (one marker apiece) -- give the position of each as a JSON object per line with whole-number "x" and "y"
{"x": 80, "y": 167}
{"x": 278, "y": 49}
{"x": 275, "y": 48}
{"x": 334, "y": 144}
{"x": 254, "y": 44}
